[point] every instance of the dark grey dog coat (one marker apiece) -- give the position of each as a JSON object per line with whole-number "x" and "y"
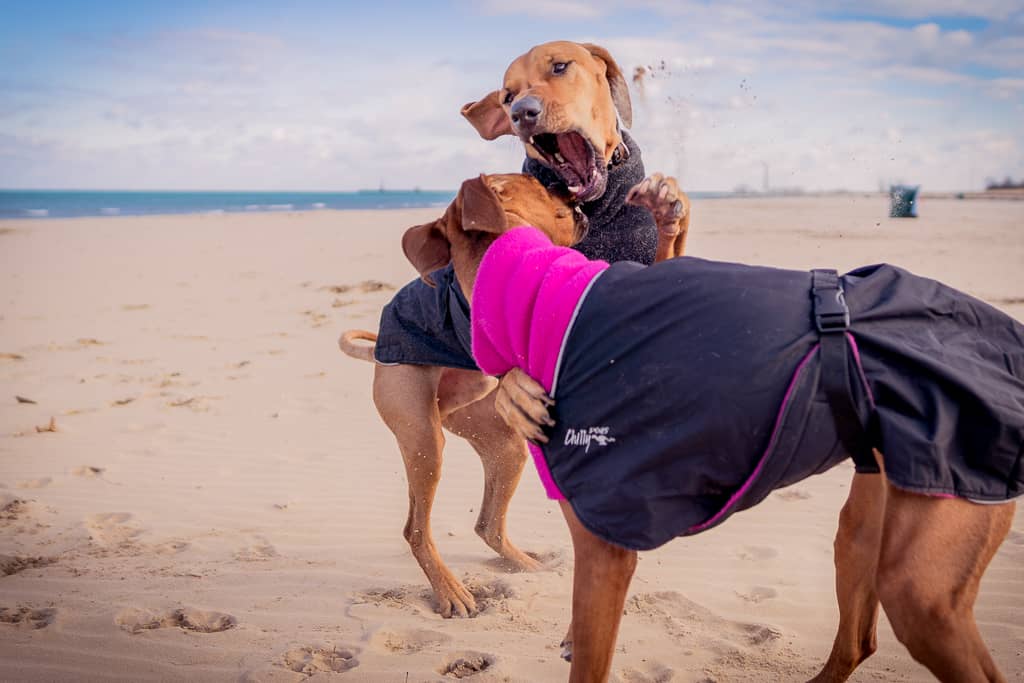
{"x": 691, "y": 389}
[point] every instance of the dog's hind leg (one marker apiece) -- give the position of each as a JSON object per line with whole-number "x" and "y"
{"x": 857, "y": 545}
{"x": 934, "y": 553}
{"x": 503, "y": 455}
{"x": 406, "y": 398}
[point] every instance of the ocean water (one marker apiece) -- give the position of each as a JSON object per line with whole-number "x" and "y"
{"x": 74, "y": 203}
{"x": 67, "y": 204}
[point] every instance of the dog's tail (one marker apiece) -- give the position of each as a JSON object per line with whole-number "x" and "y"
{"x": 347, "y": 343}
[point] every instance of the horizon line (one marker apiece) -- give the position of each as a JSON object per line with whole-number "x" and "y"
{"x": 221, "y": 191}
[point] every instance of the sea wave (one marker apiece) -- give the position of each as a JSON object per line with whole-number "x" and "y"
{"x": 318, "y": 205}
{"x": 110, "y": 211}
{"x": 37, "y": 213}
{"x": 269, "y": 207}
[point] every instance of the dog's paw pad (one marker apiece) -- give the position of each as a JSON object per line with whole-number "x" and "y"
{"x": 661, "y": 196}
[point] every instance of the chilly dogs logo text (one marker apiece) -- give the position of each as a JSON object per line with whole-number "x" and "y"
{"x": 587, "y": 436}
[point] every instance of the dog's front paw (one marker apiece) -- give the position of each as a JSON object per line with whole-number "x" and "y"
{"x": 524, "y": 404}
{"x": 660, "y": 194}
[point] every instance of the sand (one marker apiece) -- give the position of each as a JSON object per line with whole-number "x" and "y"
{"x": 220, "y": 502}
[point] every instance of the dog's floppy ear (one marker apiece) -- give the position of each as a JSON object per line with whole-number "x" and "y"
{"x": 427, "y": 248}
{"x": 488, "y": 116}
{"x": 617, "y": 83}
{"x": 481, "y": 208}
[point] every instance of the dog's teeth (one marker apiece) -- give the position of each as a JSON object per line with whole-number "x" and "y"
{"x": 531, "y": 139}
{"x": 575, "y": 188}
{"x": 559, "y": 158}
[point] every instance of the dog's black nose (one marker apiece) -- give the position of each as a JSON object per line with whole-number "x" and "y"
{"x": 525, "y": 112}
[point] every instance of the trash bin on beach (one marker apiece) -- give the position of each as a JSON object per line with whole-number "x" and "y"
{"x": 903, "y": 201}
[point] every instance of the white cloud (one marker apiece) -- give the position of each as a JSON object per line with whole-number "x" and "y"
{"x": 913, "y": 9}
{"x": 547, "y": 9}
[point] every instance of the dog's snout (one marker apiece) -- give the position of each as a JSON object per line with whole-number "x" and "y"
{"x": 526, "y": 111}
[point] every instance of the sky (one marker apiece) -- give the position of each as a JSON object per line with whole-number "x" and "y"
{"x": 319, "y": 95}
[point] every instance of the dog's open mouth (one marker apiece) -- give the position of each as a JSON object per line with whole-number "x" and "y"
{"x": 575, "y": 160}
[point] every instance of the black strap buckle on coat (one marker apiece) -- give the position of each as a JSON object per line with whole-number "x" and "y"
{"x": 831, "y": 314}
{"x": 832, "y": 318}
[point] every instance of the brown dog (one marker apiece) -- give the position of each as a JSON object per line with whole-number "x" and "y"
{"x": 920, "y": 557}
{"x": 578, "y": 108}
{"x": 416, "y": 401}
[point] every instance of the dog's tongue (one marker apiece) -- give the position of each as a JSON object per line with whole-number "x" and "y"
{"x": 574, "y": 149}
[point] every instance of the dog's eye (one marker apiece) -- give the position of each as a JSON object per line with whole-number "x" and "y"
{"x": 508, "y": 98}
{"x": 559, "y": 67}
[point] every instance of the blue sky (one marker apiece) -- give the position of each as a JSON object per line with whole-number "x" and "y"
{"x": 337, "y": 96}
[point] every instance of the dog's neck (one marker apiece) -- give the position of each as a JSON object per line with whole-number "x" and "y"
{"x": 469, "y": 252}
{"x": 466, "y": 257}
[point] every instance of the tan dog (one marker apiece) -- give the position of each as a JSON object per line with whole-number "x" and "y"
{"x": 920, "y": 557}
{"x": 415, "y": 401}
{"x": 560, "y": 99}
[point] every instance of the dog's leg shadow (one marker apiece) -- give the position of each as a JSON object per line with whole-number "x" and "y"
{"x": 549, "y": 560}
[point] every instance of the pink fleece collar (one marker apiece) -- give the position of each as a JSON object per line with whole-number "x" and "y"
{"x": 524, "y": 299}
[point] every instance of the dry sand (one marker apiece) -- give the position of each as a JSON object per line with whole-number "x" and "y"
{"x": 220, "y": 502}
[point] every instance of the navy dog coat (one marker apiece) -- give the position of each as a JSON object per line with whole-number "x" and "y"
{"x": 424, "y": 325}
{"x": 689, "y": 390}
